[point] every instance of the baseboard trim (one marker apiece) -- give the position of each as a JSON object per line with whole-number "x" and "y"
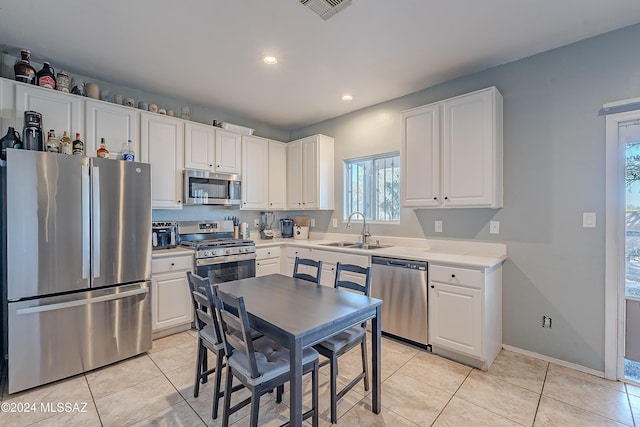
{"x": 554, "y": 360}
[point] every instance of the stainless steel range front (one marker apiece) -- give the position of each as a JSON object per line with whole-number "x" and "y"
{"x": 219, "y": 256}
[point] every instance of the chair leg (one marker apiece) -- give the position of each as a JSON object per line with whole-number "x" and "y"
{"x": 216, "y": 390}
{"x": 365, "y": 363}
{"x": 279, "y": 393}
{"x": 196, "y": 386}
{"x": 333, "y": 373}
{"x": 227, "y": 397}
{"x": 255, "y": 408}
{"x": 314, "y": 394}
{"x": 205, "y": 364}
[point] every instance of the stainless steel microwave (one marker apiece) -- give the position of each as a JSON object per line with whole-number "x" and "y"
{"x": 208, "y": 188}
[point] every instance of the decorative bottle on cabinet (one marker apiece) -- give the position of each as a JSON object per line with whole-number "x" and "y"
{"x": 52, "y": 143}
{"x": 46, "y": 78}
{"x": 102, "y": 151}
{"x": 128, "y": 154}
{"x": 66, "y": 146}
{"x": 78, "y": 146}
{"x": 23, "y": 70}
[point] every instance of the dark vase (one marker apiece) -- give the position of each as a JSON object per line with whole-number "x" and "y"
{"x": 46, "y": 78}
{"x": 10, "y": 140}
{"x": 23, "y": 70}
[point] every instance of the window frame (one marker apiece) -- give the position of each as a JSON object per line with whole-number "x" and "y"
{"x": 372, "y": 190}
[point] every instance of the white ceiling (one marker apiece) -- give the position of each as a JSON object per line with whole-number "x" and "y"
{"x": 210, "y": 52}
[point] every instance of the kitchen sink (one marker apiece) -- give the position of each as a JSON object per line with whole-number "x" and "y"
{"x": 352, "y": 245}
{"x": 341, "y": 244}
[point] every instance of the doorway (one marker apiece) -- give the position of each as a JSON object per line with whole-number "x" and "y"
{"x": 629, "y": 141}
{"x": 622, "y": 246}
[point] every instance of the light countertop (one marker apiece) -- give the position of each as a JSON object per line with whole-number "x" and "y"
{"x": 466, "y": 253}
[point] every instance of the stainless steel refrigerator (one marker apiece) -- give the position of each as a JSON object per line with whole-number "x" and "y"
{"x": 78, "y": 264}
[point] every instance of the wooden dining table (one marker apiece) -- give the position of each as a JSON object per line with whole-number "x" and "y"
{"x": 299, "y": 314}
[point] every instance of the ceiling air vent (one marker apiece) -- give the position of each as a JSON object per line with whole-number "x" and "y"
{"x": 326, "y": 8}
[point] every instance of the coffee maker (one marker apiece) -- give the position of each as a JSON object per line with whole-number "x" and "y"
{"x": 32, "y": 132}
{"x": 266, "y": 222}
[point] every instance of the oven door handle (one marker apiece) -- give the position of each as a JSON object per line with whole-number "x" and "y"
{"x": 225, "y": 259}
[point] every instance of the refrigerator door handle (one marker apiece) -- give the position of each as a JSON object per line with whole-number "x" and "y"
{"x": 62, "y": 305}
{"x": 96, "y": 221}
{"x": 86, "y": 227}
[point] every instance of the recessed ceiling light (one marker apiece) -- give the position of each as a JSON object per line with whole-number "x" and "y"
{"x": 347, "y": 97}
{"x": 270, "y": 60}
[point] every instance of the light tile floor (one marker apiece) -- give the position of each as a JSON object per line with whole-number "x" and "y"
{"x": 418, "y": 389}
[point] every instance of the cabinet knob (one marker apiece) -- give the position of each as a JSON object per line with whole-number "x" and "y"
{"x": 453, "y": 276}
{"x": 270, "y": 204}
{"x": 210, "y": 166}
{"x": 446, "y": 198}
{"x": 433, "y": 287}
{"x": 218, "y": 166}
{"x": 435, "y": 198}
{"x": 257, "y": 263}
{"x": 172, "y": 264}
{"x": 179, "y": 201}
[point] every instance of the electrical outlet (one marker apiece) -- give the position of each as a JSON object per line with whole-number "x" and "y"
{"x": 334, "y": 223}
{"x": 438, "y": 226}
{"x": 256, "y": 223}
{"x": 313, "y": 222}
{"x": 546, "y": 322}
{"x": 589, "y": 220}
{"x": 494, "y": 227}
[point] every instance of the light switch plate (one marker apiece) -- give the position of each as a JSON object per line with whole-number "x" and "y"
{"x": 494, "y": 227}
{"x": 334, "y": 223}
{"x": 313, "y": 222}
{"x": 256, "y": 223}
{"x": 438, "y": 226}
{"x": 589, "y": 220}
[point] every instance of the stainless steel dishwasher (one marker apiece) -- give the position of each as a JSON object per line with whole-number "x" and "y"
{"x": 402, "y": 285}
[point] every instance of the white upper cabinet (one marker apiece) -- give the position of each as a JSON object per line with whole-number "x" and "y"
{"x": 60, "y": 111}
{"x": 310, "y": 173}
{"x": 162, "y": 145}
{"x": 228, "y": 150}
{"x": 421, "y": 156}
{"x": 255, "y": 172}
{"x": 452, "y": 152}
{"x": 277, "y": 175}
{"x": 199, "y": 142}
{"x": 264, "y": 173}
{"x": 115, "y": 123}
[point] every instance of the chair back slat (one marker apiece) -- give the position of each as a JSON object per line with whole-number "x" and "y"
{"x": 365, "y": 272}
{"x": 204, "y": 305}
{"x": 236, "y": 332}
{"x": 309, "y": 263}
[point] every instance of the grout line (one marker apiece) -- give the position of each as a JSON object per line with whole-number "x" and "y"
{"x": 93, "y": 399}
{"x": 544, "y": 383}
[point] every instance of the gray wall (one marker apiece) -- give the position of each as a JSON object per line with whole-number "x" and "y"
{"x": 554, "y": 142}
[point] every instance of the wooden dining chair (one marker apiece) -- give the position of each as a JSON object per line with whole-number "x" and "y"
{"x": 317, "y": 265}
{"x": 209, "y": 338}
{"x": 348, "y": 339}
{"x": 260, "y": 365}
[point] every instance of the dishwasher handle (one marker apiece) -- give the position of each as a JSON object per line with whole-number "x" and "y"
{"x": 399, "y": 263}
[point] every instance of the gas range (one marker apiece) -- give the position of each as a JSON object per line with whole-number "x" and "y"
{"x": 213, "y": 242}
{"x": 220, "y": 247}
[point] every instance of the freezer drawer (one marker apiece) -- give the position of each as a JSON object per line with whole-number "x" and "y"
{"x": 56, "y": 337}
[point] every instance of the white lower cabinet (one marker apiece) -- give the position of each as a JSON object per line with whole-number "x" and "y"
{"x": 171, "y": 306}
{"x": 465, "y": 313}
{"x": 267, "y": 261}
{"x": 290, "y": 255}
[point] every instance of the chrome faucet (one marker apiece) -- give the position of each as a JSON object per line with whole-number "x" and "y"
{"x": 365, "y": 233}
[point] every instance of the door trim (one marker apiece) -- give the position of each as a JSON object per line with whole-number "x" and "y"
{"x": 614, "y": 246}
